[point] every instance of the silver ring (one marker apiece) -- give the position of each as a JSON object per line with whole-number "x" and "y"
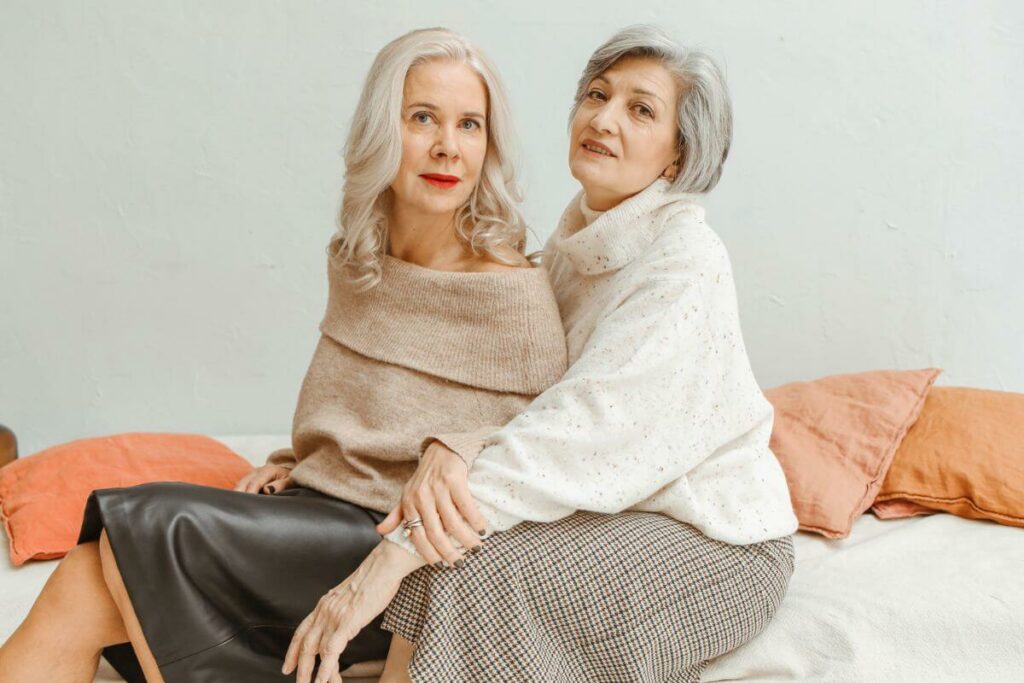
{"x": 410, "y": 525}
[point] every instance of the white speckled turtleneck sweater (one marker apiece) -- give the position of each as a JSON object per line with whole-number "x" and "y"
{"x": 659, "y": 410}
{"x": 423, "y": 352}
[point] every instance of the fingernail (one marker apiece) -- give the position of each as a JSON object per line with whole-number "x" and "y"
{"x": 475, "y": 549}
{"x": 439, "y": 564}
{"x": 271, "y": 489}
{"x": 482, "y": 532}
{"x": 459, "y": 563}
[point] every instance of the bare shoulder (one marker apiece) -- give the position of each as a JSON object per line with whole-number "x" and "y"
{"x": 484, "y": 264}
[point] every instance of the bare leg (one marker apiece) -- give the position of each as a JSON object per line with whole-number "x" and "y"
{"x": 74, "y": 616}
{"x": 119, "y": 594}
{"x": 396, "y": 668}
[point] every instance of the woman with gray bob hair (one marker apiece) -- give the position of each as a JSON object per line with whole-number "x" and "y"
{"x": 639, "y": 523}
{"x": 704, "y": 112}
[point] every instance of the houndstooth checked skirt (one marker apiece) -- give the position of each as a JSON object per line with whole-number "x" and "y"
{"x": 634, "y": 596}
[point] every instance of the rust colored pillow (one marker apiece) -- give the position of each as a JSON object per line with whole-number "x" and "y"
{"x": 965, "y": 456}
{"x": 42, "y": 496}
{"x": 835, "y": 438}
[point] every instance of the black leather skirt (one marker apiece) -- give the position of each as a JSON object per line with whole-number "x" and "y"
{"x": 221, "y": 579}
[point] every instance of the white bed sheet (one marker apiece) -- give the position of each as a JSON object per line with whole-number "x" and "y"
{"x": 921, "y": 599}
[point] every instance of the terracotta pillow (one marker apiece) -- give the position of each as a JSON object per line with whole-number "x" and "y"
{"x": 42, "y": 496}
{"x": 965, "y": 456}
{"x": 835, "y": 438}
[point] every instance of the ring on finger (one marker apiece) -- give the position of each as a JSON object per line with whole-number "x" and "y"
{"x": 410, "y": 525}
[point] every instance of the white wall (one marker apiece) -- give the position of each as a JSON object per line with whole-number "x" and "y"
{"x": 169, "y": 174}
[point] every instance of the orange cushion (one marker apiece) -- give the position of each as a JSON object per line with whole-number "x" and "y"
{"x": 835, "y": 438}
{"x": 42, "y": 496}
{"x": 965, "y": 456}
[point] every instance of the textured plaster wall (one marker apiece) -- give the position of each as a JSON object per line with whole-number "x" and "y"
{"x": 169, "y": 174}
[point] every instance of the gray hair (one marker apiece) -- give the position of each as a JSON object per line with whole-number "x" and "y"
{"x": 704, "y": 118}
{"x": 490, "y": 218}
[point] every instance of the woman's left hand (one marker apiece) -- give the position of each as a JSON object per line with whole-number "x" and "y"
{"x": 345, "y": 610}
{"x": 438, "y": 493}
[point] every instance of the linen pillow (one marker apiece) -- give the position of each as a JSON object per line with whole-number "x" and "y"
{"x": 835, "y": 438}
{"x": 42, "y": 496}
{"x": 965, "y": 456}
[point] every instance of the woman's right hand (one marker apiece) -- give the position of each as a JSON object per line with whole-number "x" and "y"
{"x": 266, "y": 479}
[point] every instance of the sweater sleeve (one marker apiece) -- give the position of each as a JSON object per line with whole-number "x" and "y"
{"x": 658, "y": 386}
{"x": 466, "y": 444}
{"x": 282, "y": 457}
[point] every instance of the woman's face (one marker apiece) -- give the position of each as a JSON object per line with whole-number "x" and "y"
{"x": 444, "y": 138}
{"x": 624, "y": 133}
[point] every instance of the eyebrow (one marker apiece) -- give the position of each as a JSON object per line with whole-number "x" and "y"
{"x": 431, "y": 107}
{"x": 638, "y": 91}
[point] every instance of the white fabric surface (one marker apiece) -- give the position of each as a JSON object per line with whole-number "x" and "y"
{"x": 924, "y": 599}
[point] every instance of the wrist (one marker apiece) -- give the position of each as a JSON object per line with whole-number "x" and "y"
{"x": 395, "y": 553}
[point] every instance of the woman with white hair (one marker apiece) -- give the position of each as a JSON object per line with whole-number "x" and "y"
{"x": 644, "y": 525}
{"x": 435, "y": 322}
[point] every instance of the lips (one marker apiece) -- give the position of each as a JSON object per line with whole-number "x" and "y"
{"x": 595, "y": 148}
{"x": 441, "y": 180}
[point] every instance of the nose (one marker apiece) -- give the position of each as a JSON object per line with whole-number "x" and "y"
{"x": 446, "y": 145}
{"x": 605, "y": 120}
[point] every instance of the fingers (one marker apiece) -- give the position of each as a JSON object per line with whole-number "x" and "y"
{"x": 455, "y": 524}
{"x": 291, "y": 657}
{"x": 307, "y": 654}
{"x": 466, "y": 506}
{"x": 391, "y": 522}
{"x": 330, "y": 652}
{"x": 434, "y": 532}
{"x": 287, "y": 483}
{"x": 418, "y": 537}
{"x": 255, "y": 480}
{"x": 277, "y": 485}
{"x": 240, "y": 486}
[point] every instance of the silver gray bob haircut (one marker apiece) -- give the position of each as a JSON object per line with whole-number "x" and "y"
{"x": 489, "y": 221}
{"x": 704, "y": 116}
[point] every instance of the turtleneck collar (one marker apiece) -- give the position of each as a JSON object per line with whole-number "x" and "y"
{"x": 613, "y": 238}
{"x": 589, "y": 215}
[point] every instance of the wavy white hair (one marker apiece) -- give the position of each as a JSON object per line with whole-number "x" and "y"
{"x": 704, "y": 116}
{"x": 490, "y": 218}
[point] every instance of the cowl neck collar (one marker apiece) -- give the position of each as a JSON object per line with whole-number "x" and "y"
{"x": 497, "y": 330}
{"x": 619, "y": 235}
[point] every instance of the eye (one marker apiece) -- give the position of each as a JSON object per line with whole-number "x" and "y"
{"x": 422, "y": 117}
{"x": 596, "y": 95}
{"x": 473, "y": 124}
{"x": 644, "y": 110}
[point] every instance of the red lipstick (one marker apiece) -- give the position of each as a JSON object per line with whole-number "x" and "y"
{"x": 445, "y": 182}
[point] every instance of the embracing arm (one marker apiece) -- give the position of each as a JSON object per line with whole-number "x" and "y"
{"x": 662, "y": 383}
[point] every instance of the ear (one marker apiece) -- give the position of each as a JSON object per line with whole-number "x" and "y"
{"x": 671, "y": 170}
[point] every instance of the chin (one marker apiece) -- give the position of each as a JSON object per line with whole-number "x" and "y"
{"x": 587, "y": 175}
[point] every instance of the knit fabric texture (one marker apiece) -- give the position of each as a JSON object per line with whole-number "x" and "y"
{"x": 422, "y": 352}
{"x": 659, "y": 410}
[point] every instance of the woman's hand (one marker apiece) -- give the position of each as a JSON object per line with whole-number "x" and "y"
{"x": 346, "y": 610}
{"x": 266, "y": 479}
{"x": 438, "y": 493}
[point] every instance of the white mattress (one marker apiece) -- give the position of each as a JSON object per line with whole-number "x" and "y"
{"x": 927, "y": 598}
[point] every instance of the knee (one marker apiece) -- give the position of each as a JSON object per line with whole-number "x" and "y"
{"x": 76, "y": 574}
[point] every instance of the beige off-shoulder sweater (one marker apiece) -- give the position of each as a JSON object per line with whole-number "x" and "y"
{"x": 425, "y": 352}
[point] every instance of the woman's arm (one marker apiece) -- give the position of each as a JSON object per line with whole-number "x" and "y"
{"x": 661, "y": 384}
{"x": 345, "y": 610}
